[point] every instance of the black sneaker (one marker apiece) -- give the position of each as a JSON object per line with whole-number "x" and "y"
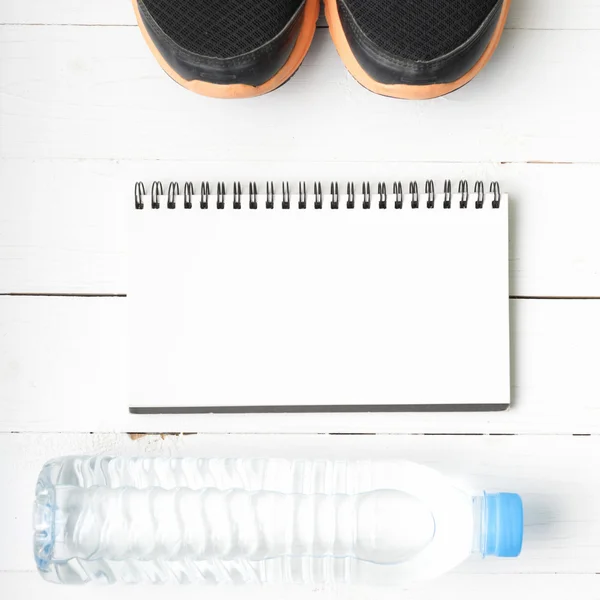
{"x": 228, "y": 48}
{"x": 415, "y": 49}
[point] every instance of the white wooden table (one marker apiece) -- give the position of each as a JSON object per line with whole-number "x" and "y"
{"x": 85, "y": 111}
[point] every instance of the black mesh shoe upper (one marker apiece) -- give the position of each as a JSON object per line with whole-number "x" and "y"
{"x": 419, "y": 30}
{"x": 224, "y": 42}
{"x": 222, "y": 28}
{"x": 418, "y": 41}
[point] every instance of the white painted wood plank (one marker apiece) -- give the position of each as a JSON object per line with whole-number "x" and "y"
{"x": 68, "y": 12}
{"x": 63, "y": 367}
{"x": 554, "y": 14}
{"x": 555, "y": 475}
{"x": 24, "y": 586}
{"x": 98, "y": 93}
{"x": 63, "y": 223}
{"x": 525, "y": 14}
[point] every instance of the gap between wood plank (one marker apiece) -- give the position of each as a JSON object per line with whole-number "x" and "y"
{"x": 134, "y": 435}
{"x": 92, "y": 295}
{"x": 60, "y": 295}
{"x": 259, "y": 161}
{"x": 320, "y": 25}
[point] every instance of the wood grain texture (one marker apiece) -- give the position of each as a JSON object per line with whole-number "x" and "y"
{"x": 67, "y": 12}
{"x": 554, "y": 249}
{"x": 525, "y": 14}
{"x": 97, "y": 92}
{"x": 85, "y": 111}
{"x": 24, "y": 586}
{"x": 63, "y": 367}
{"x": 556, "y": 477}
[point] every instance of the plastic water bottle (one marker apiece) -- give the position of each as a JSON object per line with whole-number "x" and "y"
{"x": 191, "y": 520}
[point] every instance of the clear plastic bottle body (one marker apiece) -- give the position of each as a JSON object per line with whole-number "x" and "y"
{"x": 250, "y": 521}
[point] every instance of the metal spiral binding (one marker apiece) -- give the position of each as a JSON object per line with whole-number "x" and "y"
{"x": 302, "y": 195}
{"x": 140, "y": 192}
{"x": 351, "y": 198}
{"x": 495, "y": 189}
{"x": 188, "y": 194}
{"x": 463, "y": 190}
{"x": 204, "y": 195}
{"x": 413, "y": 190}
{"x": 480, "y": 191}
{"x": 270, "y": 195}
{"x": 366, "y": 192}
{"x": 399, "y": 202}
{"x": 382, "y": 191}
{"x": 447, "y": 194}
{"x": 221, "y": 192}
{"x": 172, "y": 193}
{"x": 318, "y": 199}
{"x": 237, "y": 196}
{"x": 430, "y": 191}
{"x": 285, "y": 192}
{"x": 318, "y": 196}
{"x": 253, "y": 193}
{"x": 156, "y": 192}
{"x": 335, "y": 196}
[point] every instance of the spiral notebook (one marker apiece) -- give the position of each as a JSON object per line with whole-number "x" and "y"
{"x": 306, "y": 298}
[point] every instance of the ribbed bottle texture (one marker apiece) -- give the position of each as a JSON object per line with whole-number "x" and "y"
{"x": 240, "y": 521}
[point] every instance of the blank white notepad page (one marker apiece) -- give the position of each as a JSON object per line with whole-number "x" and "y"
{"x": 329, "y": 309}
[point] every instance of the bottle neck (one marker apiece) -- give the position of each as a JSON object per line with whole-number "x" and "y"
{"x": 478, "y": 525}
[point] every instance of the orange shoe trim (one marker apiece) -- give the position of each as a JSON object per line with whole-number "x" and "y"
{"x": 407, "y": 92}
{"x": 241, "y": 90}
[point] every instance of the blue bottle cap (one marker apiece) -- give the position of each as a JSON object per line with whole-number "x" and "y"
{"x": 503, "y": 535}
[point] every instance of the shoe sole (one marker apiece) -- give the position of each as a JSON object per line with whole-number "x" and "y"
{"x": 241, "y": 90}
{"x": 404, "y": 91}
